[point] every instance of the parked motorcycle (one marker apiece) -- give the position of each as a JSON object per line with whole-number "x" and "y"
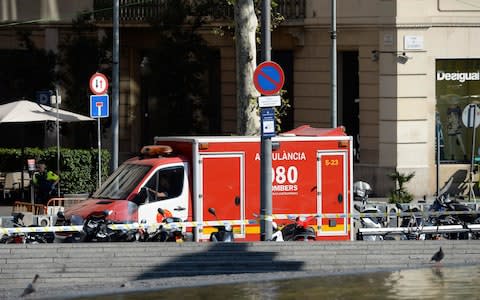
{"x": 66, "y": 236}
{"x": 298, "y": 230}
{"x": 96, "y": 229}
{"x": 25, "y": 238}
{"x": 167, "y": 231}
{"x": 224, "y": 232}
{"x": 373, "y": 221}
{"x": 361, "y": 191}
{"x": 467, "y": 216}
{"x": 277, "y": 235}
{"x": 413, "y": 221}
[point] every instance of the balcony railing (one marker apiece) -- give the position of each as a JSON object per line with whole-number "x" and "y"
{"x": 153, "y": 10}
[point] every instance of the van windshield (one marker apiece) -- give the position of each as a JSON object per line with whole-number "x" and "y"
{"x": 122, "y": 182}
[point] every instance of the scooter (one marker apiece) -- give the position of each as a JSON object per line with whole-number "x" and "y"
{"x": 277, "y": 235}
{"x": 96, "y": 229}
{"x": 414, "y": 221}
{"x": 224, "y": 232}
{"x": 443, "y": 203}
{"x": 361, "y": 191}
{"x": 299, "y": 230}
{"x": 26, "y": 238}
{"x": 167, "y": 231}
{"x": 370, "y": 222}
{"x": 68, "y": 236}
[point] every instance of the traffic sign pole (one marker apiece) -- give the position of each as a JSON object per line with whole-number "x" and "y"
{"x": 99, "y": 86}
{"x": 266, "y": 141}
{"x": 99, "y": 109}
{"x": 268, "y": 79}
{"x": 99, "y": 135}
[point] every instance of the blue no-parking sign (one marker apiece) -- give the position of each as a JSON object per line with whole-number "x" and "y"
{"x": 99, "y": 106}
{"x": 268, "y": 78}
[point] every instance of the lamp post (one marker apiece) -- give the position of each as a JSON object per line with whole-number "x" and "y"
{"x": 57, "y": 125}
{"x": 333, "y": 37}
{"x": 115, "y": 85}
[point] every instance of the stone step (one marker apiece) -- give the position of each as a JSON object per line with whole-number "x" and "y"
{"x": 64, "y": 264}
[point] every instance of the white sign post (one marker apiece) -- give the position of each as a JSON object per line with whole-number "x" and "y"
{"x": 471, "y": 119}
{"x": 99, "y": 109}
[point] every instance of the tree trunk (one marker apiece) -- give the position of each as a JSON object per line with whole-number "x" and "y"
{"x": 246, "y": 23}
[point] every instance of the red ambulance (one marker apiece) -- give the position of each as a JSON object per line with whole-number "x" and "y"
{"x": 311, "y": 174}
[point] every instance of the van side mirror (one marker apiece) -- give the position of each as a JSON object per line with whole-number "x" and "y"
{"x": 141, "y": 196}
{"x": 161, "y": 211}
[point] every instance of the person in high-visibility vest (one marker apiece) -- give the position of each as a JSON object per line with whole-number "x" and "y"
{"x": 45, "y": 182}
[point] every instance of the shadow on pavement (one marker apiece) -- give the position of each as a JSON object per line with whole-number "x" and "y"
{"x": 222, "y": 258}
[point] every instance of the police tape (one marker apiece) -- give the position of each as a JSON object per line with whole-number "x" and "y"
{"x": 258, "y": 218}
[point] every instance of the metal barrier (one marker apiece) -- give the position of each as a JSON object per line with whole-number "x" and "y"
{"x": 423, "y": 229}
{"x": 55, "y": 205}
{"x": 64, "y": 202}
{"x": 36, "y": 209}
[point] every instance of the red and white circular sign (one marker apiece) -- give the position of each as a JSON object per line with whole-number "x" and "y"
{"x": 98, "y": 84}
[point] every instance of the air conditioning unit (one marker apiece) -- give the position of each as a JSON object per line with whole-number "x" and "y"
{"x": 6, "y": 222}
{"x": 43, "y": 220}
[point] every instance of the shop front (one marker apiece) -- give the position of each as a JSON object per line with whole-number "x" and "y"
{"x": 458, "y": 117}
{"x": 457, "y": 88}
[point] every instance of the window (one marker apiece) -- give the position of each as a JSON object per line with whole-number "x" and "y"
{"x": 122, "y": 182}
{"x": 457, "y": 86}
{"x": 165, "y": 184}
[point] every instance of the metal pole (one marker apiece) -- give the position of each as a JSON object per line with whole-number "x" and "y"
{"x": 266, "y": 142}
{"x": 99, "y": 153}
{"x": 333, "y": 37}
{"x": 58, "y": 142}
{"x": 472, "y": 157}
{"x": 438, "y": 128}
{"x": 115, "y": 85}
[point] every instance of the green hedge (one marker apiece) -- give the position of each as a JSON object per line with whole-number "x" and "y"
{"x": 78, "y": 167}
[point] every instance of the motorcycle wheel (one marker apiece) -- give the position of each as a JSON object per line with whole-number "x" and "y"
{"x": 304, "y": 238}
{"x": 162, "y": 237}
{"x": 103, "y": 237}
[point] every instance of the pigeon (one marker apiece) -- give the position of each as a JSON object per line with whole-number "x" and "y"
{"x": 438, "y": 256}
{"x": 30, "y": 287}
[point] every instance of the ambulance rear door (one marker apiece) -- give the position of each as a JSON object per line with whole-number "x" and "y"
{"x": 332, "y": 196}
{"x": 222, "y": 188}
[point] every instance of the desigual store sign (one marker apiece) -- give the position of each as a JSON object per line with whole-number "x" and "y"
{"x": 457, "y": 85}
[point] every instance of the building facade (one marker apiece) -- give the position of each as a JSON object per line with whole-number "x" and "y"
{"x": 407, "y": 72}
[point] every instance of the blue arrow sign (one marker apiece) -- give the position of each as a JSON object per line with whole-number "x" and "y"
{"x": 99, "y": 106}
